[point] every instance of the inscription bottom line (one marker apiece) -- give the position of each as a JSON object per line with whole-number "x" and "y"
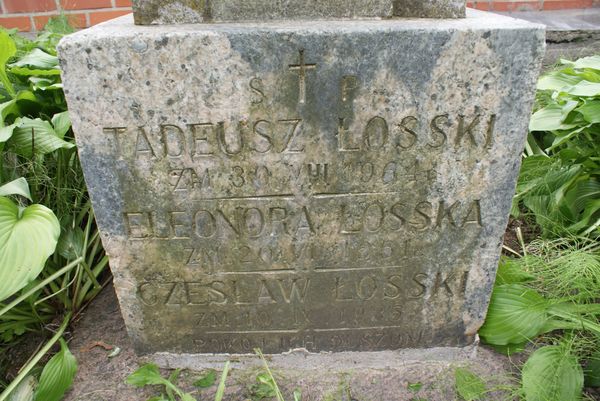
{"x": 303, "y": 331}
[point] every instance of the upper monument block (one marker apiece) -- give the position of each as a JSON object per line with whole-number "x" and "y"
{"x": 148, "y": 12}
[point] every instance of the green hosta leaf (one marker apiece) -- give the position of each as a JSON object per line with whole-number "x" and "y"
{"x": 7, "y": 132}
{"x": 61, "y": 123}
{"x": 44, "y": 84}
{"x": 510, "y": 271}
{"x": 145, "y": 375}
{"x": 585, "y": 88}
{"x": 550, "y": 118}
{"x": 57, "y": 376}
{"x": 586, "y": 191}
{"x": 28, "y": 72}
{"x": 37, "y": 59}
{"x": 70, "y": 243}
{"x": 588, "y": 62}
{"x": 207, "y": 380}
{"x": 27, "y": 238}
{"x": 468, "y": 385}
{"x": 516, "y": 314}
{"x": 590, "y": 111}
{"x": 26, "y": 95}
{"x": 557, "y": 80}
{"x": 7, "y": 109}
{"x": 7, "y": 50}
{"x": 551, "y": 373}
{"x": 36, "y": 136}
{"x": 568, "y": 107}
{"x": 25, "y": 390}
{"x": 509, "y": 349}
{"x": 16, "y": 187}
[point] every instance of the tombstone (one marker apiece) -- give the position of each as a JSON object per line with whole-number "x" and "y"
{"x": 335, "y": 184}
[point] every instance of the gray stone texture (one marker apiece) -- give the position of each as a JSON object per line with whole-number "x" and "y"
{"x": 148, "y": 12}
{"x": 373, "y": 376}
{"x": 331, "y": 186}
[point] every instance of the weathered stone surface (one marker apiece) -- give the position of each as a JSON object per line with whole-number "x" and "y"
{"x": 148, "y": 12}
{"x": 364, "y": 376}
{"x": 325, "y": 185}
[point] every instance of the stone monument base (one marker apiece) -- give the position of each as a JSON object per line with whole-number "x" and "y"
{"x": 301, "y": 359}
{"x": 365, "y": 376}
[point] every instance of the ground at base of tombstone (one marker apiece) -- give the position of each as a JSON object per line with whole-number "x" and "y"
{"x": 102, "y": 378}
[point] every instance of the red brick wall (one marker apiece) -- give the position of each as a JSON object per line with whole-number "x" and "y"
{"x": 32, "y": 15}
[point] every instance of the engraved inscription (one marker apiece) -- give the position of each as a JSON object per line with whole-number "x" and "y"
{"x": 285, "y": 223}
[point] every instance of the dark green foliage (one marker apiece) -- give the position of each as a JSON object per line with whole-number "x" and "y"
{"x": 38, "y": 154}
{"x": 560, "y": 177}
{"x": 149, "y": 374}
{"x": 468, "y": 385}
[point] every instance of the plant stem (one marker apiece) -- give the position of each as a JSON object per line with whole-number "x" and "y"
{"x": 53, "y": 277}
{"x": 278, "y": 394}
{"x": 25, "y": 371}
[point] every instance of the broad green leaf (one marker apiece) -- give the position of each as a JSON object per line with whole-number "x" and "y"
{"x": 468, "y": 385}
{"x": 551, "y": 373}
{"x": 550, "y": 118}
{"x": 7, "y": 50}
{"x": 509, "y": 349}
{"x": 585, "y": 88}
{"x": 560, "y": 139}
{"x": 510, "y": 271}
{"x": 61, "y": 123}
{"x": 207, "y": 380}
{"x": 25, "y": 390}
{"x": 16, "y": 187}
{"x": 27, "y": 238}
{"x": 516, "y": 314}
{"x": 57, "y": 376}
{"x": 7, "y": 132}
{"x": 70, "y": 243}
{"x": 145, "y": 375}
{"x": 590, "y": 111}
{"x": 585, "y": 192}
{"x": 37, "y": 59}
{"x": 28, "y": 72}
{"x": 588, "y": 62}
{"x": 592, "y": 207}
{"x": 26, "y": 95}
{"x": 187, "y": 397}
{"x": 44, "y": 84}
{"x": 7, "y": 109}
{"x": 557, "y": 80}
{"x": 36, "y": 136}
{"x": 158, "y": 398}
{"x": 568, "y": 107}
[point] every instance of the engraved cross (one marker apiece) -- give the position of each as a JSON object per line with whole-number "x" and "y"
{"x": 302, "y": 67}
